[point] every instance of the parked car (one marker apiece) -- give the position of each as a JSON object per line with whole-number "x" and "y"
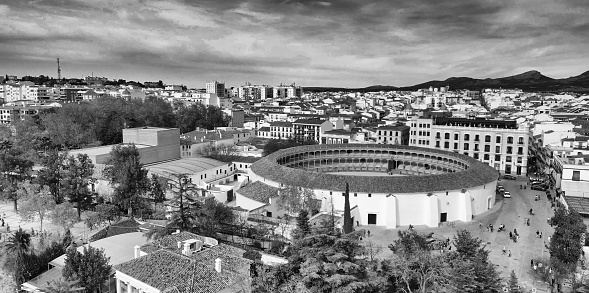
{"x": 539, "y": 187}
{"x": 510, "y": 177}
{"x": 507, "y": 194}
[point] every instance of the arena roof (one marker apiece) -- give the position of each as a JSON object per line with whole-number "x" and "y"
{"x": 477, "y": 174}
{"x": 184, "y": 166}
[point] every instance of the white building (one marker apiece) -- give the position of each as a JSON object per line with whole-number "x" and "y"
{"x": 215, "y": 87}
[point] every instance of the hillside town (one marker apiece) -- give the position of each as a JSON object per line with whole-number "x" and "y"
{"x": 229, "y": 190}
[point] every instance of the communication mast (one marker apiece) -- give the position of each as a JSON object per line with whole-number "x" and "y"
{"x": 58, "y": 70}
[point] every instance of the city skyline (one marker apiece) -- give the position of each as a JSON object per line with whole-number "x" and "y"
{"x": 312, "y": 43}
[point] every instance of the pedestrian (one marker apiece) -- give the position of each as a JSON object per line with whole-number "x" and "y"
{"x": 532, "y": 263}
{"x": 540, "y": 234}
{"x": 549, "y": 239}
{"x": 535, "y": 267}
{"x": 509, "y": 255}
{"x": 537, "y": 233}
{"x": 510, "y": 235}
{"x": 368, "y": 233}
{"x": 504, "y": 250}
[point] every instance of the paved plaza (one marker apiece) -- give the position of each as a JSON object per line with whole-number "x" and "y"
{"x": 511, "y": 212}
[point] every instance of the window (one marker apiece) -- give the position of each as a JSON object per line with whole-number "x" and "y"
{"x": 466, "y": 137}
{"x": 447, "y": 135}
{"x": 466, "y": 146}
{"x": 510, "y": 139}
{"x": 487, "y": 138}
{"x": 476, "y": 147}
{"x": 455, "y": 145}
{"x": 330, "y": 193}
{"x": 355, "y": 194}
{"x": 521, "y": 140}
{"x": 419, "y": 133}
{"x": 370, "y": 195}
{"x": 498, "y": 139}
{"x": 508, "y": 159}
{"x": 487, "y": 148}
{"x": 437, "y": 144}
{"x": 486, "y": 157}
{"x": 446, "y": 145}
{"x": 455, "y": 136}
{"x": 520, "y": 151}
{"x": 519, "y": 159}
{"x": 476, "y": 137}
{"x": 576, "y": 175}
{"x": 498, "y": 149}
{"x": 497, "y": 157}
{"x": 438, "y": 135}
{"x": 509, "y": 150}
{"x": 476, "y": 155}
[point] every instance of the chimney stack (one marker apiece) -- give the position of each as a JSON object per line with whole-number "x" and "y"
{"x": 137, "y": 250}
{"x": 218, "y": 265}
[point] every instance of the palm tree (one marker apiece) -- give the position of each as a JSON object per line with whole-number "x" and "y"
{"x": 17, "y": 247}
{"x": 62, "y": 286}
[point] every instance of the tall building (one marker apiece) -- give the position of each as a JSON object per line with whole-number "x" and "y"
{"x": 254, "y": 92}
{"x": 503, "y": 144}
{"x": 215, "y": 87}
{"x": 287, "y": 91}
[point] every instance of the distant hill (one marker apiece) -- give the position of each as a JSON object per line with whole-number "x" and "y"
{"x": 528, "y": 81}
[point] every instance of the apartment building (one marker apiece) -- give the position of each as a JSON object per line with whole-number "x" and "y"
{"x": 281, "y": 130}
{"x": 9, "y": 114}
{"x": 18, "y": 92}
{"x": 287, "y": 91}
{"x": 393, "y": 134}
{"x": 254, "y": 92}
{"x": 503, "y": 144}
{"x": 310, "y": 129}
{"x": 574, "y": 174}
{"x": 215, "y": 87}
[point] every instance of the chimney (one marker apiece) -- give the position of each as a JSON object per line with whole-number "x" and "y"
{"x": 218, "y": 265}
{"x": 137, "y": 250}
{"x": 179, "y": 244}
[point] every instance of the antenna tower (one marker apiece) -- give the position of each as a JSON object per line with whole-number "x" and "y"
{"x": 58, "y": 70}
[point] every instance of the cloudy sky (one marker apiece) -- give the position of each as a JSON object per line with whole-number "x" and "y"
{"x": 347, "y": 43}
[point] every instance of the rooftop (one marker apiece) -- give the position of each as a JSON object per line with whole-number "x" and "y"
{"x": 478, "y": 173}
{"x": 477, "y": 122}
{"x": 259, "y": 191}
{"x": 119, "y": 248}
{"x": 184, "y": 166}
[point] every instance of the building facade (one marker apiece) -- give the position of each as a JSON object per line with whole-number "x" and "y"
{"x": 215, "y": 87}
{"x": 502, "y": 144}
{"x": 393, "y": 134}
{"x": 310, "y": 129}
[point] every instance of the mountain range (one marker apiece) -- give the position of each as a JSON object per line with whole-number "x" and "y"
{"x": 527, "y": 81}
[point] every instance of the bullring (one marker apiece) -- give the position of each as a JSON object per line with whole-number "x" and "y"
{"x": 418, "y": 186}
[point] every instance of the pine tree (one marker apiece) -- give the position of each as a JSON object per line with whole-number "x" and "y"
{"x": 348, "y": 226}
{"x": 303, "y": 224}
{"x": 513, "y": 284}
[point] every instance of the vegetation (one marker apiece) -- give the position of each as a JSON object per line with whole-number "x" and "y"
{"x": 36, "y": 202}
{"x": 274, "y": 145}
{"x": 128, "y": 176}
{"x": 221, "y": 152}
{"x": 565, "y": 244}
{"x": 90, "y": 268}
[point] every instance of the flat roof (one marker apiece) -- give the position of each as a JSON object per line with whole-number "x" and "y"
{"x": 184, "y": 166}
{"x": 579, "y": 204}
{"x": 103, "y": 150}
{"x": 120, "y": 248}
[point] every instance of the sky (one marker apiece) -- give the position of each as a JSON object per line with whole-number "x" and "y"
{"x": 339, "y": 43}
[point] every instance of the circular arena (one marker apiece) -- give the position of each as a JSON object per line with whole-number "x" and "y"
{"x": 418, "y": 186}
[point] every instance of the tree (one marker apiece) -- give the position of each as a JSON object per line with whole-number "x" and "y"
{"x": 348, "y": 226}
{"x": 211, "y": 214}
{"x": 184, "y": 196}
{"x": 64, "y": 215}
{"x": 565, "y": 244}
{"x": 414, "y": 268}
{"x": 221, "y": 152}
{"x": 62, "y": 286}
{"x": 470, "y": 269}
{"x": 107, "y": 213}
{"x": 157, "y": 189}
{"x": 17, "y": 247}
{"x": 51, "y": 174}
{"x": 128, "y": 176}
{"x": 36, "y": 202}
{"x": 201, "y": 116}
{"x": 513, "y": 284}
{"x": 13, "y": 169}
{"x": 90, "y": 267}
{"x": 77, "y": 176}
{"x": 303, "y": 228}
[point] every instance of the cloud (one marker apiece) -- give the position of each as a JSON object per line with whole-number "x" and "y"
{"x": 331, "y": 43}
